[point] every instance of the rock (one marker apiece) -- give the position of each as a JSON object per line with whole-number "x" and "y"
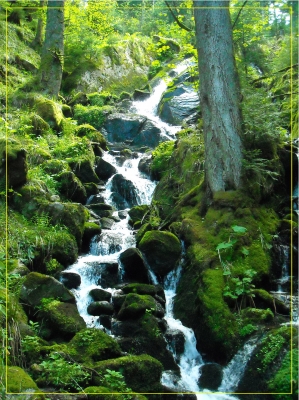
{"x": 15, "y": 156}
{"x": 150, "y": 135}
{"x": 141, "y": 231}
{"x": 108, "y": 274}
{"x": 100, "y": 307}
{"x": 63, "y": 319}
{"x": 178, "y": 103}
{"x": 176, "y": 340}
{"x": 18, "y": 380}
{"x": 92, "y": 345}
{"x": 39, "y": 125}
{"x": 27, "y": 65}
{"x": 122, "y": 214}
{"x": 98, "y": 151}
{"x": 106, "y": 223}
{"x": 126, "y": 189}
{"x": 118, "y": 301}
{"x": 103, "y": 169}
{"x": 106, "y": 321}
{"x": 137, "y": 213}
{"x": 142, "y": 373}
{"x": 162, "y": 251}
{"x": 55, "y": 198}
{"x": 135, "y": 306}
{"x": 92, "y": 134}
{"x": 144, "y": 165}
{"x": 71, "y": 187}
{"x": 100, "y": 207}
{"x": 84, "y": 171}
{"x": 91, "y": 229}
{"x": 100, "y": 295}
{"x": 67, "y": 111}
{"x": 37, "y": 286}
{"x": 50, "y": 111}
{"x": 71, "y": 280}
{"x": 120, "y": 127}
{"x": 79, "y": 98}
{"x": 134, "y": 266}
{"x": 91, "y": 188}
{"x": 96, "y": 199}
{"x": 211, "y": 376}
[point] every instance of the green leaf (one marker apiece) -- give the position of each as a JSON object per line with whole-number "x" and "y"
{"x": 245, "y": 251}
{"x": 238, "y": 229}
{"x": 224, "y": 245}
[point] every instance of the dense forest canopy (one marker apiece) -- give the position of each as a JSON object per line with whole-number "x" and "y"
{"x": 223, "y": 201}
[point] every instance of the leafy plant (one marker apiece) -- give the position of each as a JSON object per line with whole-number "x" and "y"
{"x": 247, "y": 330}
{"x": 115, "y": 381}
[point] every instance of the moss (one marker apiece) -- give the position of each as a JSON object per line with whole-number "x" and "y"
{"x": 50, "y": 111}
{"x": 255, "y": 315}
{"x": 56, "y": 166}
{"x": 141, "y": 373}
{"x": 136, "y": 305}
{"x": 100, "y": 393}
{"x": 137, "y": 213}
{"x": 40, "y": 126}
{"x": 93, "y": 115}
{"x": 91, "y": 133}
{"x": 15, "y": 311}
{"x": 161, "y": 156}
{"x": 18, "y": 381}
{"x": 140, "y": 288}
{"x": 141, "y": 231}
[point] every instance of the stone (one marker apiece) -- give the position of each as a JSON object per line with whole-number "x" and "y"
{"x": 120, "y": 127}
{"x": 176, "y": 340}
{"x": 19, "y": 381}
{"x": 122, "y": 214}
{"x": 37, "y": 286}
{"x": 96, "y": 199}
{"x": 149, "y": 135}
{"x": 126, "y": 189}
{"x": 211, "y": 376}
{"x": 106, "y": 321}
{"x": 40, "y": 126}
{"x": 15, "y": 156}
{"x": 50, "y": 111}
{"x": 141, "y": 94}
{"x": 103, "y": 169}
{"x": 144, "y": 165}
{"x": 71, "y": 280}
{"x": 162, "y": 251}
{"x": 137, "y": 213}
{"x": 84, "y": 171}
{"x": 100, "y": 295}
{"x": 136, "y": 305}
{"x": 134, "y": 266}
{"x": 71, "y": 187}
{"x": 100, "y": 307}
{"x": 106, "y": 223}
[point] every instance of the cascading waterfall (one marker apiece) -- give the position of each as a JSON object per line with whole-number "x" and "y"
{"x": 104, "y": 253}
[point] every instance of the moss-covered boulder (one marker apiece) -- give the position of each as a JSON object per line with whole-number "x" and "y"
{"x": 92, "y": 134}
{"x": 91, "y": 345}
{"x": 50, "y": 111}
{"x": 134, "y": 266}
{"x": 100, "y": 294}
{"x": 162, "y": 250}
{"x": 90, "y": 230}
{"x": 18, "y": 381}
{"x": 141, "y": 373}
{"x": 84, "y": 170}
{"x": 141, "y": 288}
{"x": 103, "y": 169}
{"x": 141, "y": 231}
{"x": 55, "y": 166}
{"x": 71, "y": 187}
{"x": 136, "y": 305}
{"x": 63, "y": 319}
{"x": 138, "y": 213}
{"x": 17, "y": 168}
{"x": 100, "y": 308}
{"x": 37, "y": 286}
{"x": 40, "y": 126}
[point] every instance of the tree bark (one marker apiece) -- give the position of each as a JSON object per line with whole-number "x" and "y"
{"x": 220, "y": 95}
{"x": 53, "y": 49}
{"x": 38, "y": 39}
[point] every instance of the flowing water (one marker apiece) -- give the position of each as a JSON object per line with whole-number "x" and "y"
{"x": 105, "y": 250}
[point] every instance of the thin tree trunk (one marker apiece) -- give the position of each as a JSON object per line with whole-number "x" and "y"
{"x": 220, "y": 95}
{"x": 38, "y": 39}
{"x": 53, "y": 49}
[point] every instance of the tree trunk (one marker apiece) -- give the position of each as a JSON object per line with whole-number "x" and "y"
{"x": 53, "y": 49}
{"x": 219, "y": 94}
{"x": 38, "y": 39}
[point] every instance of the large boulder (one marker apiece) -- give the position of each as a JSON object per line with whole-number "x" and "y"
{"x": 100, "y": 294}
{"x": 134, "y": 266}
{"x": 50, "y": 111}
{"x": 91, "y": 345}
{"x": 71, "y": 187}
{"x": 149, "y": 135}
{"x": 120, "y": 127}
{"x": 126, "y": 189}
{"x": 71, "y": 280}
{"x": 142, "y": 373}
{"x": 145, "y": 165}
{"x": 178, "y": 103}
{"x": 136, "y": 305}
{"x": 15, "y": 156}
{"x": 162, "y": 251}
{"x": 100, "y": 307}
{"x": 84, "y": 171}
{"x": 103, "y": 169}
{"x": 137, "y": 213}
{"x": 18, "y": 381}
{"x": 210, "y": 376}
{"x": 37, "y": 286}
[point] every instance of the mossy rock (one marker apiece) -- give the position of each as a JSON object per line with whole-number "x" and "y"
{"x": 63, "y": 319}
{"x": 50, "y": 111}
{"x": 265, "y": 300}
{"x": 93, "y": 134}
{"x": 66, "y": 111}
{"x": 91, "y": 188}
{"x": 90, "y": 230}
{"x": 91, "y": 345}
{"x": 100, "y": 393}
{"x": 134, "y": 266}
{"x": 71, "y": 187}
{"x": 162, "y": 251}
{"x": 55, "y": 166}
{"x": 83, "y": 169}
{"x": 18, "y": 381}
{"x": 137, "y": 213}
{"x": 14, "y": 155}
{"x": 141, "y": 231}
{"x": 40, "y": 126}
{"x": 142, "y": 373}
{"x": 15, "y": 311}
{"x": 256, "y": 315}
{"x": 79, "y": 98}
{"x": 141, "y": 288}
{"x": 37, "y": 286}
{"x": 135, "y": 306}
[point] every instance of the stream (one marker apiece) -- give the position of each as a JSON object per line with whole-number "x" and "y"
{"x": 106, "y": 248}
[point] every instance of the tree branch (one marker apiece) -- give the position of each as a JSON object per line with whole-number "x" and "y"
{"x": 180, "y": 24}
{"x": 236, "y": 20}
{"x": 274, "y": 73}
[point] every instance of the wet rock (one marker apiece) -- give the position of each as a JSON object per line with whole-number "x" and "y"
{"x": 211, "y": 376}
{"x": 100, "y": 307}
{"x": 91, "y": 229}
{"x": 162, "y": 251}
{"x": 136, "y": 305}
{"x": 133, "y": 265}
{"x": 120, "y": 127}
{"x": 100, "y": 295}
{"x": 150, "y": 135}
{"x": 106, "y": 223}
{"x": 176, "y": 339}
{"x": 103, "y": 169}
{"x": 108, "y": 273}
{"x": 126, "y": 189}
{"x": 71, "y": 187}
{"x": 96, "y": 199}
{"x": 37, "y": 286}
{"x": 144, "y": 165}
{"x": 122, "y": 214}
{"x": 118, "y": 301}
{"x": 106, "y": 321}
{"x": 84, "y": 171}
{"x": 71, "y": 280}
{"x": 138, "y": 213}
{"x": 178, "y": 103}
{"x": 141, "y": 94}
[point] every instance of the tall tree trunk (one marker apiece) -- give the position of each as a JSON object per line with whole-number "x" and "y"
{"x": 38, "y": 39}
{"x": 219, "y": 94}
{"x": 53, "y": 49}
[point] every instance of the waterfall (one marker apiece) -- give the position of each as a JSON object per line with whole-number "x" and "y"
{"x": 105, "y": 250}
